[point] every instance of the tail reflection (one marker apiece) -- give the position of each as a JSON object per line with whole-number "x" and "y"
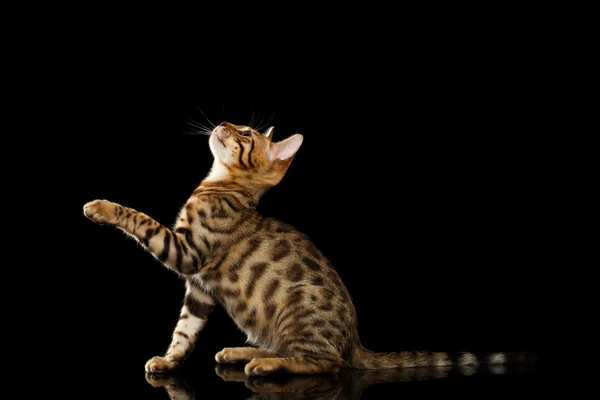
{"x": 347, "y": 383}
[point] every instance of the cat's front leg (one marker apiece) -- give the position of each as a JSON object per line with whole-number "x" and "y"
{"x": 197, "y": 305}
{"x": 175, "y": 250}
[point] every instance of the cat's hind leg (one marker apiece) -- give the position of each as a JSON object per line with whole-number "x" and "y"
{"x": 234, "y": 354}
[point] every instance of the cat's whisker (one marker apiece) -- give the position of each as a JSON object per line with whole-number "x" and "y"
{"x": 199, "y": 129}
{"x": 251, "y": 124}
{"x": 258, "y": 120}
{"x": 194, "y": 124}
{"x": 263, "y": 126}
{"x": 197, "y": 133}
{"x": 213, "y": 125}
{"x": 271, "y": 119}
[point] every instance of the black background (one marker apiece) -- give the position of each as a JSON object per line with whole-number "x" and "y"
{"x": 424, "y": 177}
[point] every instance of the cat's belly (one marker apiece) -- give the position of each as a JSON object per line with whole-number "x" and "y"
{"x": 305, "y": 314}
{"x": 249, "y": 318}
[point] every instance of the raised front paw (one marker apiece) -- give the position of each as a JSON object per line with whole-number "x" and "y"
{"x": 157, "y": 365}
{"x": 100, "y": 211}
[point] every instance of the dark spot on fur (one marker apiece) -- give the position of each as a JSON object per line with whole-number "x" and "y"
{"x": 230, "y": 292}
{"x": 270, "y": 310}
{"x": 312, "y": 250}
{"x": 257, "y": 271}
{"x": 241, "y": 307}
{"x": 327, "y": 334}
{"x": 200, "y": 310}
{"x": 319, "y": 323}
{"x": 295, "y": 297}
{"x": 281, "y": 250}
{"x": 295, "y": 272}
{"x": 282, "y": 228}
{"x": 312, "y": 264}
{"x": 335, "y": 325}
{"x": 270, "y": 290}
{"x": 327, "y": 294}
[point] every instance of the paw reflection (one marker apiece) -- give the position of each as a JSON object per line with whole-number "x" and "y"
{"x": 159, "y": 380}
{"x": 312, "y": 386}
{"x": 230, "y": 373}
{"x": 176, "y": 388}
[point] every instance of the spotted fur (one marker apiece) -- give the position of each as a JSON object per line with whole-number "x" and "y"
{"x": 275, "y": 284}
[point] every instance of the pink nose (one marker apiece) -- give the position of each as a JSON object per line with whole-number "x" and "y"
{"x": 223, "y": 130}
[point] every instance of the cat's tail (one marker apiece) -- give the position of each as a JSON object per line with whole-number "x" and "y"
{"x": 366, "y": 359}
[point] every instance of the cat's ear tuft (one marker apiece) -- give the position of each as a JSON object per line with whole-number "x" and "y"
{"x": 286, "y": 148}
{"x": 269, "y": 132}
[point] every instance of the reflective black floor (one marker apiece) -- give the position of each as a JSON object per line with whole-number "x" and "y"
{"x": 347, "y": 384}
{"x": 209, "y": 380}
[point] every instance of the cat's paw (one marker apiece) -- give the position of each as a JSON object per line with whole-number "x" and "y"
{"x": 174, "y": 356}
{"x": 228, "y": 355}
{"x": 157, "y": 365}
{"x": 262, "y": 366}
{"x": 100, "y": 211}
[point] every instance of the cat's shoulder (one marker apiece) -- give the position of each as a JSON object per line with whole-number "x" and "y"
{"x": 275, "y": 226}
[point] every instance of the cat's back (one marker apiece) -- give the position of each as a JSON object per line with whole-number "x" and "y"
{"x": 293, "y": 257}
{"x": 275, "y": 249}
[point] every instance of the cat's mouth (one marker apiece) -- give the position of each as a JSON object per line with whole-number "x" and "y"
{"x": 220, "y": 141}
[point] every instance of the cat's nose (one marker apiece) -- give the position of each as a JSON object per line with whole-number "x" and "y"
{"x": 223, "y": 123}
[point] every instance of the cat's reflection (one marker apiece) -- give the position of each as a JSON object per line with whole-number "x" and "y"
{"x": 346, "y": 384}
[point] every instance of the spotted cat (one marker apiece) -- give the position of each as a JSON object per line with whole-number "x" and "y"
{"x": 280, "y": 290}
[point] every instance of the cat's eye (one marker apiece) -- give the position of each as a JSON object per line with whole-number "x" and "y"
{"x": 244, "y": 133}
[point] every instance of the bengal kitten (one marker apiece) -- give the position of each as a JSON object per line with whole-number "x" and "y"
{"x": 275, "y": 284}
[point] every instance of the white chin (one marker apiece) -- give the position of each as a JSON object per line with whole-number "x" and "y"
{"x": 217, "y": 148}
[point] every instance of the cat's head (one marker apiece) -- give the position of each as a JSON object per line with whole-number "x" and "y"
{"x": 246, "y": 155}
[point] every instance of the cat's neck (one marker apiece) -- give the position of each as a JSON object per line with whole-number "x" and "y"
{"x": 218, "y": 173}
{"x": 221, "y": 176}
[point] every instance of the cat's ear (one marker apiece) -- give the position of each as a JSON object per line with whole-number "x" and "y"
{"x": 269, "y": 132}
{"x": 285, "y": 149}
